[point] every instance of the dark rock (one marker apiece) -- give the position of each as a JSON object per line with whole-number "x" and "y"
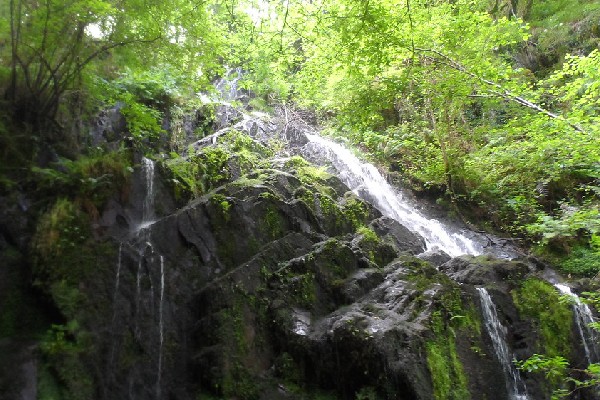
{"x": 270, "y": 284}
{"x": 402, "y": 238}
{"x": 436, "y": 257}
{"x": 109, "y": 126}
{"x": 483, "y": 270}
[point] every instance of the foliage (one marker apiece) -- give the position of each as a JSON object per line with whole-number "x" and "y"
{"x": 62, "y": 347}
{"x": 554, "y": 368}
{"x": 63, "y": 59}
{"x": 448, "y": 113}
{"x": 565, "y": 379}
{"x": 90, "y": 179}
{"x": 213, "y": 165}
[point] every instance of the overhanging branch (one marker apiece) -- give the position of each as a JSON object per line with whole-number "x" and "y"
{"x": 498, "y": 90}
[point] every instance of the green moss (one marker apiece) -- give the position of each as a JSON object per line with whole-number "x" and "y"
{"x": 296, "y": 162}
{"x": 447, "y": 373}
{"x": 355, "y": 210}
{"x": 245, "y": 181}
{"x": 222, "y": 204}
{"x": 236, "y": 380}
{"x": 304, "y": 290}
{"x": 273, "y": 223}
{"x": 237, "y": 141}
{"x": 310, "y": 175}
{"x": 338, "y": 257}
{"x": 204, "y": 170}
{"x": 370, "y": 243}
{"x": 63, "y": 349}
{"x": 60, "y": 234}
{"x": 367, "y": 393}
{"x": 421, "y": 273}
{"x": 540, "y": 301}
{"x": 48, "y": 387}
{"x": 91, "y": 178}
{"x": 454, "y": 317}
{"x": 67, "y": 261}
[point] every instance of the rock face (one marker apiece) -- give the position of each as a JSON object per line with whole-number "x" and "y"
{"x": 276, "y": 282}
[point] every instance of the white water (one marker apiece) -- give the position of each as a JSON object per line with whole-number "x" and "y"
{"x": 227, "y": 86}
{"x": 515, "y": 386}
{"x": 148, "y": 205}
{"x": 583, "y": 319}
{"x": 366, "y": 181}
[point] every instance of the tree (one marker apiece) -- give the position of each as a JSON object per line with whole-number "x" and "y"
{"x": 52, "y": 42}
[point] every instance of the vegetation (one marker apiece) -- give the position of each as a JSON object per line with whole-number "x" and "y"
{"x": 539, "y": 300}
{"x": 490, "y": 106}
{"x": 566, "y": 379}
{"x": 500, "y": 119}
{"x": 452, "y": 320}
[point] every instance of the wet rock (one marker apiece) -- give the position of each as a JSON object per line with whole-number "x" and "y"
{"x": 109, "y": 126}
{"x": 398, "y": 235}
{"x": 483, "y": 270}
{"x": 435, "y": 257}
{"x": 273, "y": 282}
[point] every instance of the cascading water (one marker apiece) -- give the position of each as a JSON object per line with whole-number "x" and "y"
{"x": 583, "y": 319}
{"x": 148, "y": 302}
{"x": 366, "y": 181}
{"x": 227, "y": 87}
{"x": 515, "y": 386}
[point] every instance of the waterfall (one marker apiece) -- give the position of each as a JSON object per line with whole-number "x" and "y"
{"x": 515, "y": 386}
{"x": 366, "y": 181}
{"x": 227, "y": 86}
{"x": 148, "y": 204}
{"x": 583, "y": 319}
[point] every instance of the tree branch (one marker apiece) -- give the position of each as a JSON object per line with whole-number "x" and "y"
{"x": 500, "y": 91}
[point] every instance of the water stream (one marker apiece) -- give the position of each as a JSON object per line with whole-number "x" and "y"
{"x": 117, "y": 281}
{"x": 148, "y": 204}
{"x": 583, "y": 318}
{"x": 515, "y": 386}
{"x": 227, "y": 86}
{"x": 367, "y": 182}
{"x": 145, "y": 300}
{"x": 115, "y": 293}
{"x": 160, "y": 326}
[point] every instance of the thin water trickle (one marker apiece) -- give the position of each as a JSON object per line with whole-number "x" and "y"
{"x": 115, "y": 293}
{"x": 118, "y": 274}
{"x": 160, "y": 325}
{"x": 117, "y": 281}
{"x": 515, "y": 386}
{"x": 583, "y": 319}
{"x": 138, "y": 296}
{"x": 366, "y": 181}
